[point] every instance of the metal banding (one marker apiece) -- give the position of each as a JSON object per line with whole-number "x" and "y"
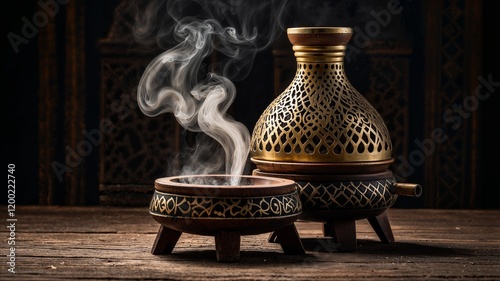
{"x": 319, "y": 58}
{"x": 319, "y": 53}
{"x": 325, "y": 49}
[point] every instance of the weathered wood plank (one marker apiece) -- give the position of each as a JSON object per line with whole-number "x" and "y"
{"x": 97, "y": 243}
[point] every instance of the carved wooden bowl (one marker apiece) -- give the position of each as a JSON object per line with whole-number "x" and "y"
{"x": 225, "y": 207}
{"x": 207, "y": 204}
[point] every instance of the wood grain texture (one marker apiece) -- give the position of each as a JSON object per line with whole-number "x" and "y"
{"x": 47, "y": 116}
{"x": 96, "y": 243}
{"x": 74, "y": 103}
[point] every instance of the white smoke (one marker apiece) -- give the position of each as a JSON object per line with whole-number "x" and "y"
{"x": 171, "y": 83}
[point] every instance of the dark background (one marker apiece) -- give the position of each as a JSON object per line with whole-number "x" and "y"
{"x": 19, "y": 86}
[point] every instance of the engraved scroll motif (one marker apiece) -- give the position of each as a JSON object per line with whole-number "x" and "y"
{"x": 172, "y": 205}
{"x": 347, "y": 195}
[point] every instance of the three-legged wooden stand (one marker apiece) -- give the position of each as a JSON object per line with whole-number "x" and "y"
{"x": 227, "y": 243}
{"x": 343, "y": 232}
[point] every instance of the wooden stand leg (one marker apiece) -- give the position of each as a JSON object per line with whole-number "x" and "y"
{"x": 165, "y": 241}
{"x": 273, "y": 237}
{"x": 289, "y": 240}
{"x": 344, "y": 233}
{"x": 227, "y": 246}
{"x": 327, "y": 230}
{"x": 382, "y": 227}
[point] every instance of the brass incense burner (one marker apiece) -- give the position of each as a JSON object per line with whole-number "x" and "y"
{"x": 323, "y": 134}
{"x": 320, "y": 117}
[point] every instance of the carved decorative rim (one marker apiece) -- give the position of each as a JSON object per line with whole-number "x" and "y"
{"x": 225, "y": 208}
{"x": 319, "y": 168}
{"x": 319, "y": 36}
{"x": 318, "y": 30}
{"x": 249, "y": 185}
{"x": 326, "y": 177}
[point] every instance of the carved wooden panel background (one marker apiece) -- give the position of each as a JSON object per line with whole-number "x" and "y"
{"x": 62, "y": 109}
{"x": 447, "y": 57}
{"x": 453, "y": 63}
{"x": 139, "y": 148}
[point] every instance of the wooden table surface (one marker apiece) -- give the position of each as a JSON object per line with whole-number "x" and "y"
{"x": 98, "y": 243}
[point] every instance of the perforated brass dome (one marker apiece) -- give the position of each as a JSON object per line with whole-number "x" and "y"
{"x": 320, "y": 116}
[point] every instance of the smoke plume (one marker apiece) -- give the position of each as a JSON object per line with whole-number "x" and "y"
{"x": 178, "y": 81}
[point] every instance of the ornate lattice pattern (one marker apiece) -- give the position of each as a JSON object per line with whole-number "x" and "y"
{"x": 173, "y": 205}
{"x": 137, "y": 148}
{"x": 388, "y": 93}
{"x": 450, "y": 173}
{"x": 347, "y": 195}
{"x": 320, "y": 117}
